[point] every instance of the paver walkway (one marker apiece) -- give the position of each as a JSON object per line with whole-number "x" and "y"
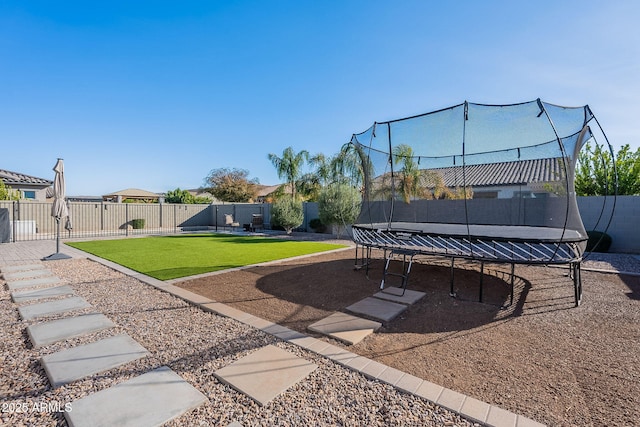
{"x": 32, "y": 283}
{"x": 264, "y": 374}
{"x": 149, "y": 399}
{"x": 49, "y": 308}
{"x": 345, "y": 327}
{"x": 377, "y": 308}
{"x": 395, "y": 294}
{"x": 61, "y": 329}
{"x": 384, "y": 305}
{"x": 36, "y": 294}
{"x": 78, "y": 362}
{"x": 10, "y": 276}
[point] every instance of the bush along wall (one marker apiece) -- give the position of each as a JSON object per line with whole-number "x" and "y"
{"x": 137, "y": 224}
{"x": 598, "y": 241}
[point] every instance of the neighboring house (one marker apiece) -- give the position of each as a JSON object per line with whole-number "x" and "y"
{"x": 93, "y": 199}
{"x": 266, "y": 192}
{"x": 30, "y": 187}
{"x": 503, "y": 180}
{"x": 133, "y": 194}
{"x": 199, "y": 192}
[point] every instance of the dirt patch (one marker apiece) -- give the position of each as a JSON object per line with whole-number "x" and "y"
{"x": 539, "y": 357}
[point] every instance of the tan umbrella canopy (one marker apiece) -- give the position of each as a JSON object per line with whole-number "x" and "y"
{"x": 59, "y": 208}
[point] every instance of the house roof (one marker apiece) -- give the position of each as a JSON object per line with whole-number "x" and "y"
{"x": 503, "y": 173}
{"x": 14, "y": 178}
{"x": 134, "y": 193}
{"x": 265, "y": 190}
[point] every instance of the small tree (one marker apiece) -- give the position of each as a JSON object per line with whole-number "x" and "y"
{"x": 6, "y": 193}
{"x": 287, "y": 213}
{"x": 231, "y": 185}
{"x": 179, "y": 196}
{"x": 595, "y": 174}
{"x": 184, "y": 197}
{"x": 339, "y": 204}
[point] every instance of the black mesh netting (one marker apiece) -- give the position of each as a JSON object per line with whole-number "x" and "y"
{"x": 492, "y": 182}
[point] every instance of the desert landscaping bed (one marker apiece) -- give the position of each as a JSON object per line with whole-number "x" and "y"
{"x": 540, "y": 357}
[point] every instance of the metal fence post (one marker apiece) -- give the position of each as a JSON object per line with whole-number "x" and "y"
{"x": 126, "y": 219}
{"x": 13, "y": 223}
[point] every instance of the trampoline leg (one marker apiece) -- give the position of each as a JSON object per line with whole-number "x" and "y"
{"x": 368, "y": 261}
{"x": 361, "y": 261}
{"x": 504, "y": 307}
{"x": 481, "y": 279}
{"x": 513, "y": 268}
{"x": 451, "y": 291}
{"x": 386, "y": 269}
{"x": 577, "y": 282}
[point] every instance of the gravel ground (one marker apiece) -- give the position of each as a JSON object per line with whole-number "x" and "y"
{"x": 194, "y": 344}
{"x": 540, "y": 357}
{"x": 612, "y": 262}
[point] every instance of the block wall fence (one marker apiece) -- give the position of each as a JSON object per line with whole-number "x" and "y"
{"x": 27, "y": 220}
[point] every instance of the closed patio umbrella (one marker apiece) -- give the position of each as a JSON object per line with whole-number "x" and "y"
{"x": 59, "y": 208}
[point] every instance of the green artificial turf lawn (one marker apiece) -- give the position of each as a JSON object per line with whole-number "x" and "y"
{"x": 170, "y": 257}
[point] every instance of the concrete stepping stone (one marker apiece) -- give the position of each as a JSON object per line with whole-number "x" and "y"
{"x": 151, "y": 399}
{"x": 75, "y": 363}
{"x": 57, "y": 291}
{"x": 377, "y": 308}
{"x": 20, "y": 267}
{"x": 32, "y": 283}
{"x": 69, "y": 327}
{"x": 395, "y": 294}
{"x": 28, "y": 312}
{"x": 26, "y": 274}
{"x": 264, "y": 374}
{"x": 345, "y": 327}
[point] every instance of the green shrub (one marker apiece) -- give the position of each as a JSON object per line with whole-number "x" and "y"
{"x": 287, "y": 213}
{"x": 317, "y": 225}
{"x": 598, "y": 241}
{"x": 137, "y": 223}
{"x": 339, "y": 204}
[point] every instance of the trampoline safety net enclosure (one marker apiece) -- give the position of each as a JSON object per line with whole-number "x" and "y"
{"x": 493, "y": 183}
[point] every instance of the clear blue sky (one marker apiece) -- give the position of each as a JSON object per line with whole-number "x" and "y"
{"x": 155, "y": 94}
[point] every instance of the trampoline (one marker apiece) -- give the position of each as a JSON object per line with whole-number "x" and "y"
{"x": 490, "y": 183}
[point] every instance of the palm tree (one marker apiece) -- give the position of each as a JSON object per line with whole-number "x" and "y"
{"x": 351, "y": 165}
{"x": 289, "y": 166}
{"x": 410, "y": 185}
{"x": 310, "y": 184}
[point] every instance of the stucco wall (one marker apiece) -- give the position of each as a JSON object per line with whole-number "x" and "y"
{"x": 625, "y": 225}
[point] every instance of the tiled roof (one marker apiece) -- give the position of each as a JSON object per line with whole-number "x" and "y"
{"x": 133, "y": 193}
{"x": 505, "y": 173}
{"x": 265, "y": 190}
{"x": 15, "y": 178}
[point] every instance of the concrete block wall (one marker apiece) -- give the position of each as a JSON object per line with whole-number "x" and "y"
{"x": 625, "y": 224}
